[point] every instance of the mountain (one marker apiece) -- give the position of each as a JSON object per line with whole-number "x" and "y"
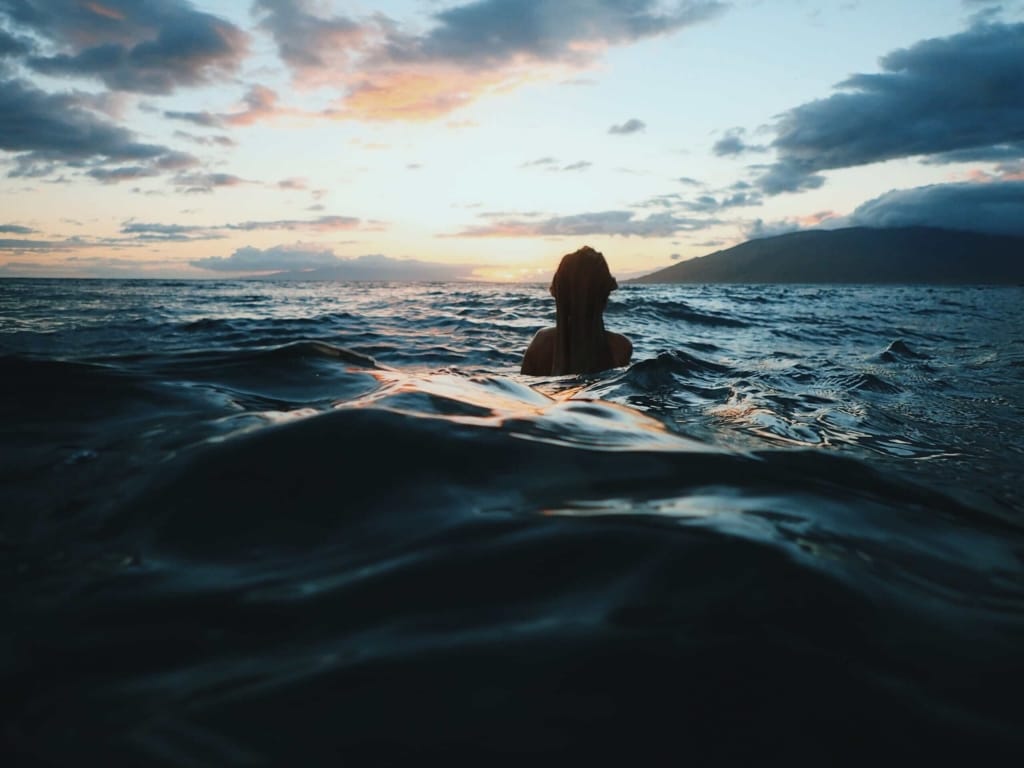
{"x": 858, "y": 255}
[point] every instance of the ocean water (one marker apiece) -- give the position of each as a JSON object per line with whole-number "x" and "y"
{"x": 256, "y": 523}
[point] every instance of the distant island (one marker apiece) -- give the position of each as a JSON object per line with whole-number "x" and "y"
{"x": 859, "y": 255}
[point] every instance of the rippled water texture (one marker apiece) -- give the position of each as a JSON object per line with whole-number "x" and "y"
{"x": 302, "y": 524}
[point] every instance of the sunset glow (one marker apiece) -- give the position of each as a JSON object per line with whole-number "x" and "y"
{"x": 488, "y": 137}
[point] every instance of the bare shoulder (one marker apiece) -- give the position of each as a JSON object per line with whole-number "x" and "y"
{"x": 540, "y": 355}
{"x": 621, "y": 348}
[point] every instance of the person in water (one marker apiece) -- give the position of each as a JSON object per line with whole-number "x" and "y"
{"x": 578, "y": 343}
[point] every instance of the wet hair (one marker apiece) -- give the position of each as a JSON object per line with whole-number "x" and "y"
{"x": 581, "y": 286}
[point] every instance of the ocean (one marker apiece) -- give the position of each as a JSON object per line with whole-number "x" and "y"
{"x": 286, "y": 523}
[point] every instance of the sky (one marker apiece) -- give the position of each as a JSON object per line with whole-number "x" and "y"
{"x": 483, "y": 139}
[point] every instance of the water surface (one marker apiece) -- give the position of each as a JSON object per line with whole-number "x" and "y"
{"x": 299, "y": 523}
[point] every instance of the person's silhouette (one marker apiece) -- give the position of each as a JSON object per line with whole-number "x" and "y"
{"x": 578, "y": 343}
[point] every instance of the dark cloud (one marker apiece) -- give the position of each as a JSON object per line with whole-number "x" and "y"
{"x": 15, "y": 229}
{"x": 676, "y": 256}
{"x": 995, "y": 208}
{"x": 307, "y": 41}
{"x": 45, "y": 129}
{"x": 145, "y": 47}
{"x": 690, "y": 182}
{"x": 940, "y": 96}
{"x": 706, "y": 203}
{"x": 123, "y": 173}
{"x": 192, "y": 183}
{"x": 712, "y": 204}
{"x": 622, "y": 223}
{"x": 493, "y": 32}
{"x": 259, "y": 103}
{"x": 15, "y": 245}
{"x": 205, "y": 119}
{"x": 471, "y": 48}
{"x": 989, "y": 154}
{"x": 760, "y": 228}
{"x": 13, "y": 45}
{"x": 309, "y": 262}
{"x": 732, "y": 143}
{"x": 630, "y": 126}
{"x": 176, "y": 233}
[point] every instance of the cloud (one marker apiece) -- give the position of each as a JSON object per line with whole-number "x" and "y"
{"x": 623, "y": 223}
{"x": 188, "y": 232}
{"x": 322, "y": 263}
{"x": 16, "y": 229}
{"x": 995, "y": 208}
{"x": 259, "y": 103}
{"x": 732, "y": 143}
{"x": 17, "y": 245}
{"x": 44, "y": 129}
{"x": 937, "y": 98}
{"x": 994, "y": 153}
{"x": 310, "y": 44}
{"x": 12, "y": 45}
{"x": 552, "y": 164}
{"x": 168, "y": 232}
{"x": 293, "y": 183}
{"x": 712, "y": 204}
{"x": 320, "y": 224}
{"x": 152, "y": 47}
{"x": 123, "y": 173}
{"x": 473, "y": 48}
{"x": 630, "y": 126}
{"x": 206, "y": 141}
{"x": 192, "y": 183}
{"x": 676, "y": 256}
{"x": 276, "y": 259}
{"x": 205, "y": 119}
{"x": 760, "y": 228}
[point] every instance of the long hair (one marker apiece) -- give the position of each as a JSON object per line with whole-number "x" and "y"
{"x": 581, "y": 286}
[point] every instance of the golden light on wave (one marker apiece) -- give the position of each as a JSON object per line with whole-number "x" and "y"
{"x": 512, "y": 274}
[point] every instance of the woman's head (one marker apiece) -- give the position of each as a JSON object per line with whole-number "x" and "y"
{"x": 583, "y": 280}
{"x": 581, "y": 286}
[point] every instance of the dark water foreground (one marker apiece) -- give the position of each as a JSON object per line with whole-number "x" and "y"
{"x": 791, "y": 530}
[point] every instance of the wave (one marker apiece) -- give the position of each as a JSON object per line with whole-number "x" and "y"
{"x": 462, "y": 560}
{"x": 898, "y": 351}
{"x": 322, "y": 528}
{"x": 677, "y": 311}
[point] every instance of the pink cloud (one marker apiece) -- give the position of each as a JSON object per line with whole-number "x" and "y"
{"x": 387, "y": 72}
